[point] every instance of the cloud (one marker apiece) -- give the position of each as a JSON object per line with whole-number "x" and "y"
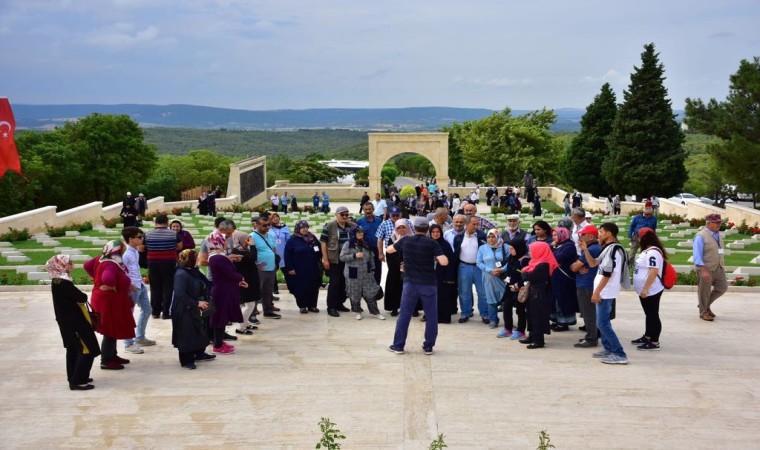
{"x": 120, "y": 36}
{"x": 722, "y": 35}
{"x": 494, "y": 82}
{"x": 611, "y": 76}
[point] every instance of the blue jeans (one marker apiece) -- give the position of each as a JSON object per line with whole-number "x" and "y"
{"x": 140, "y": 297}
{"x": 427, "y": 294}
{"x": 610, "y": 341}
{"x": 493, "y": 313}
{"x": 469, "y": 275}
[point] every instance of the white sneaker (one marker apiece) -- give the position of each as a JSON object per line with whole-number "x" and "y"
{"x": 380, "y": 316}
{"x": 358, "y": 317}
{"x": 134, "y": 348}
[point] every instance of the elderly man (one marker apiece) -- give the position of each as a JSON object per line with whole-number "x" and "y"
{"x": 471, "y": 210}
{"x": 334, "y": 235}
{"x": 370, "y": 224}
{"x": 466, "y": 251}
{"x": 708, "y": 258}
{"x": 441, "y": 217}
{"x": 456, "y": 230}
{"x": 645, "y": 219}
{"x": 580, "y": 221}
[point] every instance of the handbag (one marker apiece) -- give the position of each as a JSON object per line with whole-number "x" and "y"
{"x": 522, "y": 294}
{"x": 208, "y": 312}
{"x": 380, "y": 294}
{"x": 95, "y": 319}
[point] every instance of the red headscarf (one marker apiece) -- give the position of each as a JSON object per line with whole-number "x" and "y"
{"x": 540, "y": 252}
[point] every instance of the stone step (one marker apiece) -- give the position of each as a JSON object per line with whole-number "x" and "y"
{"x": 27, "y": 269}
{"x": 18, "y": 258}
{"x": 72, "y": 233}
{"x": 5, "y": 244}
{"x": 35, "y": 276}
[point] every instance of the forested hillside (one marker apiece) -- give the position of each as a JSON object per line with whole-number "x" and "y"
{"x": 330, "y": 143}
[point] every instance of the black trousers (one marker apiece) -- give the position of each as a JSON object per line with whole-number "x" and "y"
{"x": 107, "y": 350}
{"x": 78, "y": 366}
{"x": 378, "y": 268}
{"x": 510, "y": 301}
{"x": 161, "y": 275}
{"x": 336, "y": 290}
{"x": 651, "y": 306}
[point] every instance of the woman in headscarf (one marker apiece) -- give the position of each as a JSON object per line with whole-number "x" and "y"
{"x": 393, "y": 281}
{"x": 492, "y": 261}
{"x": 111, "y": 298}
{"x": 225, "y": 291}
{"x": 74, "y": 323}
{"x": 542, "y": 232}
{"x": 513, "y": 281}
{"x": 536, "y": 276}
{"x": 563, "y": 281}
{"x": 360, "y": 280}
{"x": 251, "y": 294}
{"x": 188, "y": 243}
{"x": 191, "y": 295}
{"x": 303, "y": 272}
{"x": 446, "y": 277}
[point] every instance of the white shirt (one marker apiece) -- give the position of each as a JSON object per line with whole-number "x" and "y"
{"x": 649, "y": 258}
{"x": 131, "y": 260}
{"x": 612, "y": 289}
{"x": 380, "y": 206}
{"x": 469, "y": 250}
{"x": 450, "y": 235}
{"x": 574, "y": 236}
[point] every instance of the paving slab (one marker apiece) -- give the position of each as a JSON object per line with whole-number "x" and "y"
{"x": 699, "y": 392}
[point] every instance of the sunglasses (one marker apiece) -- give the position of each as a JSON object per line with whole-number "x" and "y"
{"x": 344, "y": 214}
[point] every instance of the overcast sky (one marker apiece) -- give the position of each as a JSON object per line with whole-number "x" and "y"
{"x": 283, "y": 54}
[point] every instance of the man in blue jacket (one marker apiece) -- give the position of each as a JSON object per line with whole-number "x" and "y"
{"x": 465, "y": 253}
{"x": 645, "y": 219}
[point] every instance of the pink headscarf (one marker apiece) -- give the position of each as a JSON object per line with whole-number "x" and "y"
{"x": 563, "y": 234}
{"x": 58, "y": 267}
{"x": 540, "y": 252}
{"x": 216, "y": 242}
{"x": 409, "y": 229}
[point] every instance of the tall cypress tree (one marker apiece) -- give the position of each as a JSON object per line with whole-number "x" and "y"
{"x": 583, "y": 159}
{"x": 646, "y": 156}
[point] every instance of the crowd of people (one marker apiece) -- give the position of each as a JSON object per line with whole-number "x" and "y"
{"x": 527, "y": 283}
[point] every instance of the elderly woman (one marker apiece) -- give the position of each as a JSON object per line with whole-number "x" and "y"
{"x": 191, "y": 294}
{"x": 74, "y": 323}
{"x": 111, "y": 298}
{"x": 303, "y": 272}
{"x": 188, "y": 243}
{"x": 446, "y": 277}
{"x": 250, "y": 295}
{"x": 360, "y": 281}
{"x": 563, "y": 281}
{"x": 537, "y": 275}
{"x": 492, "y": 261}
{"x": 393, "y": 281}
{"x": 225, "y": 291}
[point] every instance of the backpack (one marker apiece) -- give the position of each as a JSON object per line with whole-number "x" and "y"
{"x": 669, "y": 276}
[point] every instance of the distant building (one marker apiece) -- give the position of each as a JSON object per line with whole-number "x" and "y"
{"x": 347, "y": 165}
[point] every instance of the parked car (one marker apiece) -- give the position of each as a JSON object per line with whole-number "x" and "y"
{"x": 683, "y": 197}
{"x": 710, "y": 201}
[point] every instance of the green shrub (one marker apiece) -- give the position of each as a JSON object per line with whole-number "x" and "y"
{"x": 330, "y": 435}
{"x": 14, "y": 235}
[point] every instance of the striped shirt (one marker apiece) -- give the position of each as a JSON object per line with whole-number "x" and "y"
{"x": 161, "y": 244}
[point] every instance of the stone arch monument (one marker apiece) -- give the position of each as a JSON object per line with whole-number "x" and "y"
{"x": 384, "y": 146}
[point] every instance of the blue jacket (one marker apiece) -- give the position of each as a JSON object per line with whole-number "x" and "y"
{"x": 639, "y": 222}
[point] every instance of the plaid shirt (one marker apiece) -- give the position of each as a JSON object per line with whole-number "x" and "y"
{"x": 485, "y": 224}
{"x": 385, "y": 230}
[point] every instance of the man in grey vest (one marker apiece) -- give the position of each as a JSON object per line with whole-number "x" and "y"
{"x": 708, "y": 258}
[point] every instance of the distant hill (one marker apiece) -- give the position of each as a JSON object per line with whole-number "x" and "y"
{"x": 204, "y": 117}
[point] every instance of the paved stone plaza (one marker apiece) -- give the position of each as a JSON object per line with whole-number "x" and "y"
{"x": 700, "y": 391}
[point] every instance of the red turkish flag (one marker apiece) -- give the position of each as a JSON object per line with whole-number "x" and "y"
{"x": 9, "y": 159}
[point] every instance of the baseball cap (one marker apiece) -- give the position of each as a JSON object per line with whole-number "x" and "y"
{"x": 513, "y": 217}
{"x": 589, "y": 215}
{"x": 394, "y": 211}
{"x": 589, "y": 229}
{"x": 341, "y": 209}
{"x": 421, "y": 222}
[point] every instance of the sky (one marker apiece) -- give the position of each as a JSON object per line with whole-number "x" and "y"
{"x": 301, "y": 54}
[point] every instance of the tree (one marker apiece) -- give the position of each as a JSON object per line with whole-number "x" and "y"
{"x": 112, "y": 153}
{"x": 361, "y": 178}
{"x": 502, "y": 147}
{"x": 458, "y": 170}
{"x": 646, "y": 156}
{"x": 311, "y": 171}
{"x": 388, "y": 174}
{"x": 583, "y": 159}
{"x": 705, "y": 179}
{"x": 736, "y": 122}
